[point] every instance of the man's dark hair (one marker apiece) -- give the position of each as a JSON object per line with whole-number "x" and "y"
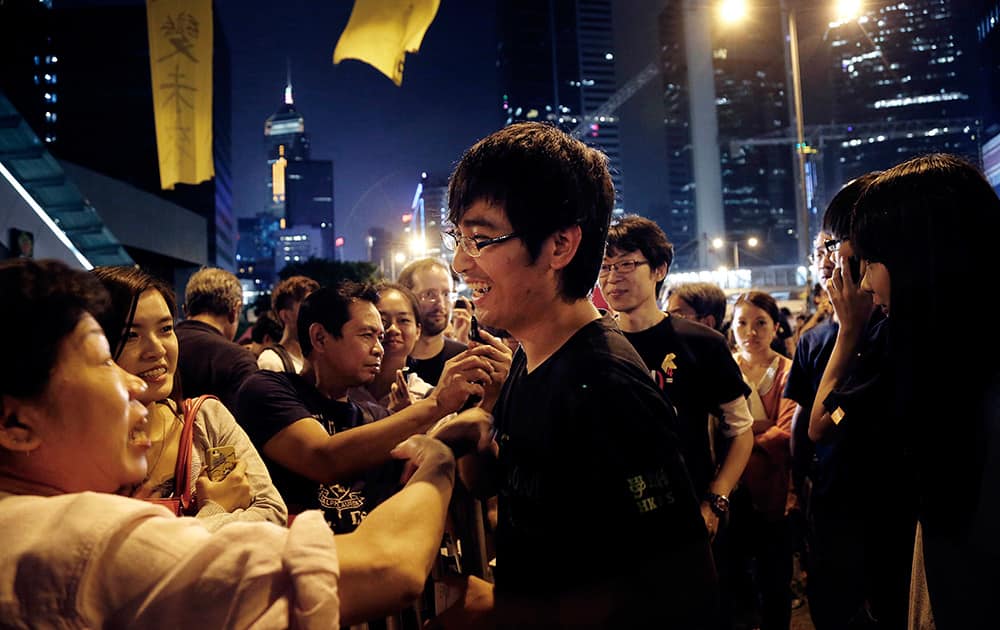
{"x": 705, "y": 298}
{"x": 291, "y": 290}
{"x": 837, "y": 217}
{"x": 266, "y": 326}
{"x": 44, "y": 301}
{"x": 544, "y": 181}
{"x": 634, "y": 233}
{"x": 330, "y": 307}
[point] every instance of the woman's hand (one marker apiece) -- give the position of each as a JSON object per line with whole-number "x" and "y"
{"x": 232, "y": 493}
{"x": 399, "y": 393}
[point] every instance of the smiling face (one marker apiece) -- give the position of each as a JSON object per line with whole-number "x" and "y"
{"x": 150, "y": 350}
{"x": 632, "y": 291}
{"x": 91, "y": 426}
{"x": 509, "y": 290}
{"x": 753, "y": 329}
{"x": 400, "y": 322}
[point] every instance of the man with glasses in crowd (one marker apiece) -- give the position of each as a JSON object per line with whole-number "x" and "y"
{"x": 597, "y": 521}
{"x": 432, "y": 282}
{"x": 690, "y": 363}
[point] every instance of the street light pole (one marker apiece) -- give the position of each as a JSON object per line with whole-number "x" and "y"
{"x": 736, "y": 255}
{"x": 801, "y": 198}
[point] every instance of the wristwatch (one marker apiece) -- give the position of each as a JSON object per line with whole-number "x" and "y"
{"x": 719, "y": 503}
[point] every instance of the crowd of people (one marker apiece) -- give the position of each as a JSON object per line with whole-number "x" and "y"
{"x": 643, "y": 464}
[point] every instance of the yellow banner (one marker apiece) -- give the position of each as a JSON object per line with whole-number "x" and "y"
{"x": 180, "y": 58}
{"x": 381, "y": 32}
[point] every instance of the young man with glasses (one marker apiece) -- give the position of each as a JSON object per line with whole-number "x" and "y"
{"x": 432, "y": 282}
{"x": 690, "y": 363}
{"x": 597, "y": 521}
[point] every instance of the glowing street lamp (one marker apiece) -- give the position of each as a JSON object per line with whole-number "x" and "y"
{"x": 719, "y": 243}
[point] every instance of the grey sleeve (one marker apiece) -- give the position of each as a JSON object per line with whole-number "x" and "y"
{"x": 215, "y": 426}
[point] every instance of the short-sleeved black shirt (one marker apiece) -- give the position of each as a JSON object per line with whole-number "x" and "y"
{"x": 694, "y": 368}
{"x": 592, "y": 486}
{"x": 430, "y": 369}
{"x": 269, "y": 402}
{"x": 208, "y": 363}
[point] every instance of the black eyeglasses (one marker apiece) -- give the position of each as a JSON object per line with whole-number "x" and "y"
{"x": 452, "y": 239}
{"x": 624, "y": 267}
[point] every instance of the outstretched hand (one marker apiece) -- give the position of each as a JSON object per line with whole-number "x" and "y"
{"x": 425, "y": 456}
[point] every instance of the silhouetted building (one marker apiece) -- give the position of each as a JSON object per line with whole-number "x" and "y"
{"x": 81, "y": 78}
{"x": 557, "y": 64}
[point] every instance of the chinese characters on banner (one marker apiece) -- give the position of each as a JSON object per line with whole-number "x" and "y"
{"x": 180, "y": 57}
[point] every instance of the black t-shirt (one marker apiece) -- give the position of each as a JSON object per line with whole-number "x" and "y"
{"x": 700, "y": 376}
{"x": 430, "y": 369}
{"x": 208, "y": 363}
{"x": 269, "y": 402}
{"x": 592, "y": 486}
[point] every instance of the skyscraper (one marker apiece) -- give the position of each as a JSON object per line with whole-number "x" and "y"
{"x": 757, "y": 182}
{"x": 557, "y": 64}
{"x": 904, "y": 84}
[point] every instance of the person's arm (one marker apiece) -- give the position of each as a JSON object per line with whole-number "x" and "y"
{"x": 853, "y": 308}
{"x": 266, "y": 504}
{"x": 384, "y": 563}
{"x": 738, "y": 424}
{"x": 305, "y": 447}
{"x": 472, "y": 430}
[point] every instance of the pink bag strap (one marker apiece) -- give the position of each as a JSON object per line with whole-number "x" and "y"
{"x": 182, "y": 472}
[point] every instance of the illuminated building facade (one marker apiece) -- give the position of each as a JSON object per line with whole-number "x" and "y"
{"x": 905, "y": 72}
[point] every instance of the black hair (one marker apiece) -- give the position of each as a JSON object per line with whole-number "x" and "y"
{"x": 634, "y": 233}
{"x": 44, "y": 301}
{"x": 837, "y": 218}
{"x": 265, "y": 326}
{"x": 762, "y": 300}
{"x": 545, "y": 181}
{"x": 405, "y": 291}
{"x": 932, "y": 221}
{"x": 705, "y": 298}
{"x": 330, "y": 307}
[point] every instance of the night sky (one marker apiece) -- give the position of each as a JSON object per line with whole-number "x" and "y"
{"x": 379, "y": 136}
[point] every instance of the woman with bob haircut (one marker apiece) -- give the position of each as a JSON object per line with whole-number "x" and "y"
{"x": 73, "y": 430}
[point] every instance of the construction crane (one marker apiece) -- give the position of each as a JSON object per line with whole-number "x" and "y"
{"x": 625, "y": 92}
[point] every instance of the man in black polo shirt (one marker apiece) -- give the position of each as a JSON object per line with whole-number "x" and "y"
{"x": 209, "y": 361}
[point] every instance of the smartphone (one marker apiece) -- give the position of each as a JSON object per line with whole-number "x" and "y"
{"x": 854, "y": 267}
{"x": 462, "y": 303}
{"x": 221, "y": 461}
{"x": 474, "y": 331}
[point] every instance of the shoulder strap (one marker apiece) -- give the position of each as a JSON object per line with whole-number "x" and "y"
{"x": 182, "y": 472}
{"x": 286, "y": 358}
